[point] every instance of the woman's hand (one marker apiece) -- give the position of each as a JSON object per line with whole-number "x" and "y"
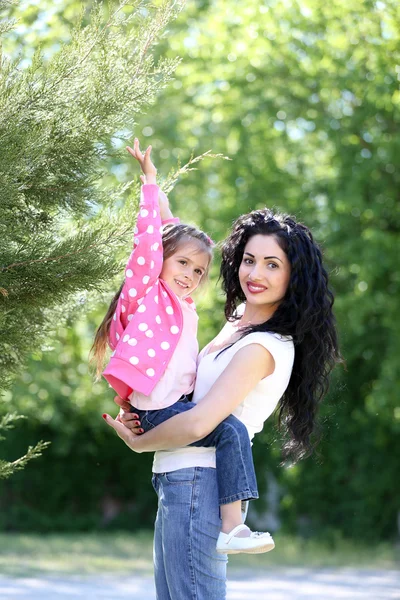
{"x": 144, "y": 159}
{"x": 126, "y": 425}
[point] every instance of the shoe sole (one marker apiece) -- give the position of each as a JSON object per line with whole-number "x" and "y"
{"x": 259, "y": 550}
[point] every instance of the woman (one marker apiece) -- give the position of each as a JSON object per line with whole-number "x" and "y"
{"x": 277, "y": 348}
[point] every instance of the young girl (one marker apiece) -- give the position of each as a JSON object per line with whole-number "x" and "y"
{"x": 151, "y": 326}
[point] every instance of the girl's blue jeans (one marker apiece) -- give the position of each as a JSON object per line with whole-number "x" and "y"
{"x": 186, "y": 563}
{"x": 234, "y": 461}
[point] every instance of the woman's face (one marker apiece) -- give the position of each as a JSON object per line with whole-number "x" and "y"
{"x": 264, "y": 272}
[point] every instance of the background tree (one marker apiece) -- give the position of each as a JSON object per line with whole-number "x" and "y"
{"x": 62, "y": 118}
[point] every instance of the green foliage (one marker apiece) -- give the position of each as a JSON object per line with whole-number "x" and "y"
{"x": 304, "y": 99}
{"x": 9, "y": 468}
{"x": 87, "y": 473}
{"x": 61, "y": 118}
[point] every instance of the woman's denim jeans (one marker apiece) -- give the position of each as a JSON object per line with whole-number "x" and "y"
{"x": 234, "y": 459}
{"x": 186, "y": 563}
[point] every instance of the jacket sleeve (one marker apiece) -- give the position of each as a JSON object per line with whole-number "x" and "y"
{"x": 144, "y": 264}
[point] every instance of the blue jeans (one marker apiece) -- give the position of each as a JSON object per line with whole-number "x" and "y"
{"x": 186, "y": 563}
{"x": 234, "y": 460}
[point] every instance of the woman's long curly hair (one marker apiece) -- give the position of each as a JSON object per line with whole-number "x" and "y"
{"x": 305, "y": 314}
{"x": 174, "y": 236}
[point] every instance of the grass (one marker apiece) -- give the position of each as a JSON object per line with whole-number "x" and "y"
{"x": 112, "y": 553}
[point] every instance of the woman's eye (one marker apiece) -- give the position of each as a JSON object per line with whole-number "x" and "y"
{"x": 273, "y": 265}
{"x": 248, "y": 261}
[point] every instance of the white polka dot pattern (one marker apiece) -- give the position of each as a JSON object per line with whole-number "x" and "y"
{"x": 154, "y": 333}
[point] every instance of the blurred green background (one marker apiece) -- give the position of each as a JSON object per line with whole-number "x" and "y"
{"x": 304, "y": 98}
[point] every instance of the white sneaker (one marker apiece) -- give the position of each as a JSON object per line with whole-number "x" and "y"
{"x": 256, "y": 543}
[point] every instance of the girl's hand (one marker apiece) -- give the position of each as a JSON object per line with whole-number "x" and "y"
{"x": 128, "y": 418}
{"x": 144, "y": 159}
{"x": 126, "y": 424}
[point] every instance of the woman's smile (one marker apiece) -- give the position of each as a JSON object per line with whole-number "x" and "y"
{"x": 255, "y": 288}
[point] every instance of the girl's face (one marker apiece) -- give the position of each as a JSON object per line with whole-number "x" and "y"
{"x": 264, "y": 272}
{"x": 183, "y": 271}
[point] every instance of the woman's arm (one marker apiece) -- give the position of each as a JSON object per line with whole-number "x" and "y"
{"x": 248, "y": 366}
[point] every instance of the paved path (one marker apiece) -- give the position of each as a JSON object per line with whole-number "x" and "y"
{"x": 288, "y": 584}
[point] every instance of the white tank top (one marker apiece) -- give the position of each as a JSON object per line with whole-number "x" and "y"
{"x": 255, "y": 408}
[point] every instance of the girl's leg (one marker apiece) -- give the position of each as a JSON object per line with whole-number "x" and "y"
{"x": 231, "y": 515}
{"x": 234, "y": 461}
{"x": 190, "y": 524}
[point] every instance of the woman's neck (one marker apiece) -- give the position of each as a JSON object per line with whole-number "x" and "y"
{"x": 255, "y": 315}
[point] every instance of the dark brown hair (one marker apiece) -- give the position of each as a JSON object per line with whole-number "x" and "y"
{"x": 305, "y": 314}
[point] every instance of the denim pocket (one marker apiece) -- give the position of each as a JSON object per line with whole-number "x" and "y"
{"x": 181, "y": 476}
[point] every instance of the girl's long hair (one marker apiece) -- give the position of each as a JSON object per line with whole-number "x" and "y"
{"x": 173, "y": 237}
{"x": 305, "y": 314}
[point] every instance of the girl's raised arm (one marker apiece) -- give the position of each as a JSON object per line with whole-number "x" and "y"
{"x": 149, "y": 177}
{"x": 145, "y": 262}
